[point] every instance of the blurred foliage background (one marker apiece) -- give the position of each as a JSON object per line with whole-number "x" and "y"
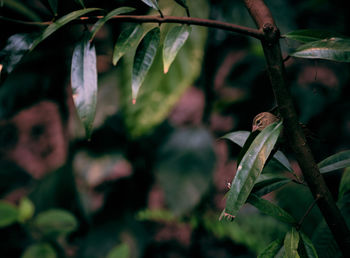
{"x": 151, "y": 181}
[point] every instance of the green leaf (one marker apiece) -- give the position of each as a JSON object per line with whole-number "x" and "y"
{"x": 152, "y": 3}
{"x": 127, "y": 39}
{"x": 163, "y": 90}
{"x": 240, "y": 137}
{"x": 334, "y": 49}
{"x": 272, "y": 249}
{"x": 253, "y": 230}
{"x": 309, "y": 246}
{"x": 61, "y": 22}
{"x": 250, "y": 168}
{"x": 337, "y": 161}
{"x": 267, "y": 183}
{"x": 16, "y": 47}
{"x": 182, "y": 3}
{"x": 98, "y": 25}
{"x": 26, "y": 210}
{"x": 271, "y": 209}
{"x": 291, "y": 242}
{"x": 18, "y": 7}
{"x": 158, "y": 215}
{"x": 282, "y": 159}
{"x": 55, "y": 222}
{"x": 81, "y": 3}
{"x": 84, "y": 82}
{"x": 144, "y": 56}
{"x": 246, "y": 146}
{"x": 8, "y": 214}
{"x": 324, "y": 241}
{"x": 344, "y": 183}
{"x": 42, "y": 250}
{"x": 120, "y": 251}
{"x": 53, "y": 6}
{"x": 173, "y": 42}
{"x": 307, "y": 35}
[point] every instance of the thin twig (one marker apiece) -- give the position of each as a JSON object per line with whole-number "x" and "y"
{"x": 301, "y": 221}
{"x": 186, "y": 20}
{"x": 255, "y": 33}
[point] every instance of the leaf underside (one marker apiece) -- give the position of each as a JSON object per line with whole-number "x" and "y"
{"x": 334, "y": 49}
{"x": 173, "y": 42}
{"x": 127, "y": 39}
{"x": 337, "y": 161}
{"x": 84, "y": 82}
{"x": 309, "y": 35}
{"x": 144, "y": 57}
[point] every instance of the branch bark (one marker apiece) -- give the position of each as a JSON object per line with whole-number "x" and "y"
{"x": 295, "y": 136}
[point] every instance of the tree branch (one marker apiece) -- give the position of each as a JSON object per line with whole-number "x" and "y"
{"x": 295, "y": 136}
{"x": 166, "y": 19}
{"x": 192, "y": 21}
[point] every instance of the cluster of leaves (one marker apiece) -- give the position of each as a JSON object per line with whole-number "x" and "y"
{"x": 49, "y": 229}
{"x": 83, "y": 67}
{"x": 318, "y": 44}
{"x": 249, "y": 185}
{"x": 45, "y": 227}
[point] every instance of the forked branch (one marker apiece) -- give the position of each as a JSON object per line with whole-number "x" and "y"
{"x": 294, "y": 133}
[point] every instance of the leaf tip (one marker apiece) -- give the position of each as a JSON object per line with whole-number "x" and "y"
{"x": 115, "y": 60}
{"x": 88, "y": 134}
{"x": 225, "y": 215}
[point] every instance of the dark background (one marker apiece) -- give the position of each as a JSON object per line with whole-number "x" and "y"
{"x": 164, "y": 152}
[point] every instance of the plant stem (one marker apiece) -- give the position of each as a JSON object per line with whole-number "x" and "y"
{"x": 252, "y": 32}
{"x": 301, "y": 221}
{"x": 187, "y": 20}
{"x": 294, "y": 133}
